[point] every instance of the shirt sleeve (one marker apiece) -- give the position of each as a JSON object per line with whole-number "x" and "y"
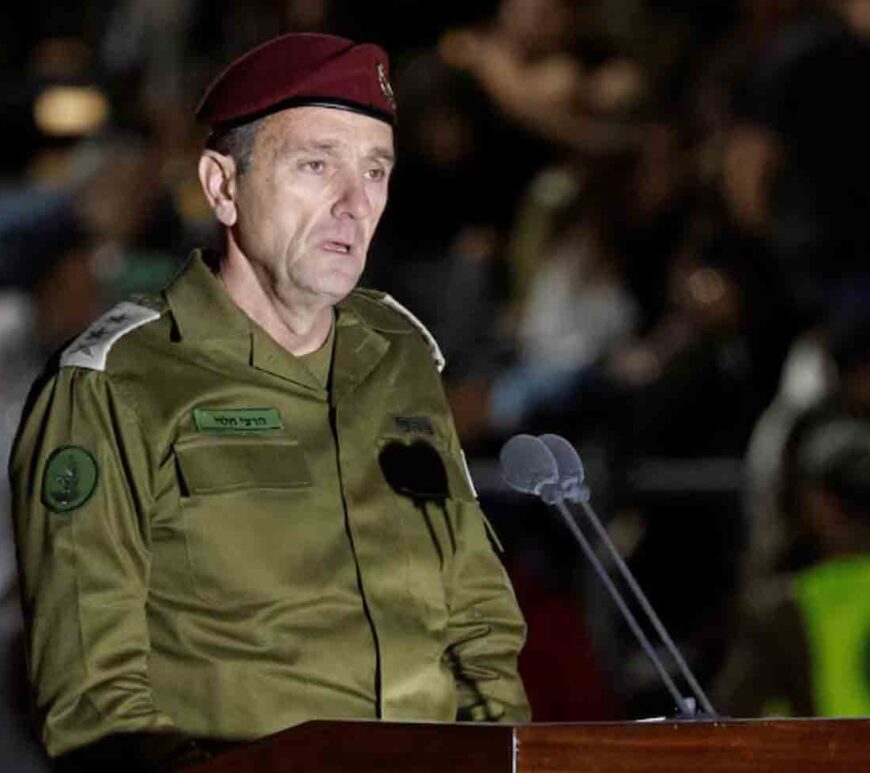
{"x": 81, "y": 479}
{"x": 486, "y": 629}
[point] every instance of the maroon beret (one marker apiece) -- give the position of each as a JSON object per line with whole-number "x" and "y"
{"x": 301, "y": 69}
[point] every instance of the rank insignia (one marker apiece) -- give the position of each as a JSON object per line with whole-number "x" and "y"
{"x": 70, "y": 478}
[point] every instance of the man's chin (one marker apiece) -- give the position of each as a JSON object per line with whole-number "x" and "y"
{"x": 336, "y": 289}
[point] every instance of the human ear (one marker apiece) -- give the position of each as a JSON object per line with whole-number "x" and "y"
{"x": 217, "y": 175}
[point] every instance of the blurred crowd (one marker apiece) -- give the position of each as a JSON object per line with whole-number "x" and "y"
{"x": 642, "y": 224}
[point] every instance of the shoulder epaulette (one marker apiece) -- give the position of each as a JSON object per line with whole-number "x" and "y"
{"x": 385, "y": 313}
{"x": 437, "y": 354}
{"x": 91, "y": 348}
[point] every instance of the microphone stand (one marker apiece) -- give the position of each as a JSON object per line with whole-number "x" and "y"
{"x": 550, "y": 468}
{"x": 687, "y": 707}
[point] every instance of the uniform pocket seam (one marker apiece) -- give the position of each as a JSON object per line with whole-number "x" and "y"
{"x": 263, "y": 464}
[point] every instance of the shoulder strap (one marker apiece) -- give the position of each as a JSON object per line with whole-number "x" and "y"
{"x": 437, "y": 355}
{"x": 91, "y": 348}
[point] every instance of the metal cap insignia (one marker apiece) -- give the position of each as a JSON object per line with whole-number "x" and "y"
{"x": 385, "y": 85}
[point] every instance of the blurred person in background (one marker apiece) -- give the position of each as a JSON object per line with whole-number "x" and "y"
{"x": 131, "y": 215}
{"x": 799, "y": 153}
{"x": 457, "y": 137}
{"x": 801, "y": 646}
{"x": 159, "y": 54}
{"x": 588, "y": 260}
{"x": 795, "y": 533}
{"x": 828, "y": 369}
{"x": 553, "y": 84}
{"x": 447, "y": 277}
{"x": 573, "y": 303}
{"x": 674, "y": 409}
{"x": 528, "y": 61}
{"x": 700, "y": 377}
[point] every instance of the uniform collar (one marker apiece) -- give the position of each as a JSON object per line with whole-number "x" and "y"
{"x": 269, "y": 356}
{"x": 200, "y": 306}
{"x": 203, "y": 311}
{"x": 358, "y": 350}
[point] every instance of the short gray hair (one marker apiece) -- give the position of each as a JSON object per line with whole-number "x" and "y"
{"x": 236, "y": 141}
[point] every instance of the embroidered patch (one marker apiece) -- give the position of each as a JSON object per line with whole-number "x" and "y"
{"x": 414, "y": 425}
{"x": 70, "y": 478}
{"x": 230, "y": 420}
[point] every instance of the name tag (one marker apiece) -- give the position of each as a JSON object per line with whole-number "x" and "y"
{"x": 231, "y": 420}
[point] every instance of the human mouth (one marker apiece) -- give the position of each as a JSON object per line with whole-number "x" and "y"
{"x": 335, "y": 245}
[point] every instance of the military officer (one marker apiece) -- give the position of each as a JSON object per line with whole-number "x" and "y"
{"x": 211, "y": 547}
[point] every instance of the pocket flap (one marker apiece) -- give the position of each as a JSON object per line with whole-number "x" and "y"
{"x": 213, "y": 465}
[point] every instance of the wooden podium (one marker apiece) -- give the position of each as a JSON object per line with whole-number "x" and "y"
{"x": 756, "y": 746}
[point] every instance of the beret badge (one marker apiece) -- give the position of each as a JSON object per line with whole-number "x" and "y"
{"x": 384, "y": 83}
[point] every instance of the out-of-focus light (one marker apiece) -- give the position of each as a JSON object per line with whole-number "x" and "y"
{"x": 706, "y": 286}
{"x": 70, "y": 111}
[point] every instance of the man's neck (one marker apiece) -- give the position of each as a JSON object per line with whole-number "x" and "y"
{"x": 299, "y": 328}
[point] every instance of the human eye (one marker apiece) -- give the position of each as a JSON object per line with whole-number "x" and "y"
{"x": 376, "y": 174}
{"x": 315, "y": 165}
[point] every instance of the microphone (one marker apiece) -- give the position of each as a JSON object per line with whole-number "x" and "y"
{"x": 568, "y": 485}
{"x": 530, "y": 467}
{"x": 569, "y": 468}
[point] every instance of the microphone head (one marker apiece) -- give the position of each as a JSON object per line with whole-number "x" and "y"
{"x": 569, "y": 466}
{"x": 566, "y": 456}
{"x": 527, "y": 465}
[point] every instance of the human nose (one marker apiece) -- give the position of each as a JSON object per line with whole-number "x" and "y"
{"x": 353, "y": 200}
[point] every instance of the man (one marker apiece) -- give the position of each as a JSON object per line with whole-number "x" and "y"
{"x": 210, "y": 547}
{"x": 797, "y": 162}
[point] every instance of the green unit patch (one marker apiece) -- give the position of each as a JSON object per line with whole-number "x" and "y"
{"x": 70, "y": 478}
{"x": 232, "y": 420}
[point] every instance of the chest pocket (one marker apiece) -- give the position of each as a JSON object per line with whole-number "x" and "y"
{"x": 247, "y": 515}
{"x": 213, "y": 466}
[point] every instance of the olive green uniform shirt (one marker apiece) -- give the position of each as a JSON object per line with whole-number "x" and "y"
{"x": 241, "y": 564}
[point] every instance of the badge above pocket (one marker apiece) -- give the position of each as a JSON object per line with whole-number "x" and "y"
{"x": 231, "y": 421}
